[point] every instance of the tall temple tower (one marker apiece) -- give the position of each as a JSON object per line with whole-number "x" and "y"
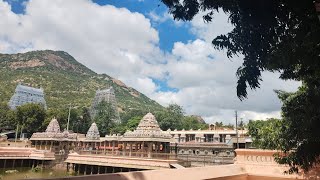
{"x": 107, "y": 95}
{"x": 26, "y": 94}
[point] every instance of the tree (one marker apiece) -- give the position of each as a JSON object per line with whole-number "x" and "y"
{"x": 30, "y": 117}
{"x": 62, "y": 117}
{"x": 126, "y": 116}
{"x": 265, "y": 133}
{"x": 191, "y": 122}
{"x": 300, "y": 128}
{"x": 241, "y": 125}
{"x": 277, "y": 36}
{"x": 272, "y": 35}
{"x": 219, "y": 124}
{"x": 84, "y": 121}
{"x": 171, "y": 117}
{"x": 7, "y": 117}
{"x": 133, "y": 123}
{"x": 105, "y": 117}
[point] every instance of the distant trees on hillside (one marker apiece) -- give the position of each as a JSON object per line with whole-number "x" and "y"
{"x": 33, "y": 118}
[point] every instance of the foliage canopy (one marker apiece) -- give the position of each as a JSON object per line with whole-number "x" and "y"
{"x": 278, "y": 36}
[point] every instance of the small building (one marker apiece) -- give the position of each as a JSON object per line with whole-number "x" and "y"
{"x": 25, "y": 94}
{"x": 147, "y": 138}
{"x": 54, "y": 140}
{"x": 212, "y": 146}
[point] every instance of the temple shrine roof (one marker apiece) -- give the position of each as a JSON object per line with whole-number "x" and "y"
{"x": 53, "y": 133}
{"x": 93, "y": 132}
{"x": 147, "y": 130}
{"x": 53, "y": 126}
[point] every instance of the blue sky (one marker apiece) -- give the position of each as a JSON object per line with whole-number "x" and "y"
{"x": 139, "y": 43}
{"x": 169, "y": 32}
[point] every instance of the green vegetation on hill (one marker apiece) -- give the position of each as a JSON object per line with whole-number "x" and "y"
{"x": 64, "y": 81}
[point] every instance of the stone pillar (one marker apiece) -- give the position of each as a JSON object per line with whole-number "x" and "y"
{"x": 183, "y": 138}
{"x": 130, "y": 148}
{"x": 142, "y": 149}
{"x": 216, "y": 137}
{"x": 177, "y": 138}
{"x": 150, "y": 144}
{"x": 113, "y": 144}
{"x": 104, "y": 147}
{"x": 228, "y": 138}
{"x": 202, "y": 138}
{"x": 124, "y": 148}
{"x": 40, "y": 145}
{"x": 51, "y": 145}
{"x": 156, "y": 147}
{"x": 95, "y": 146}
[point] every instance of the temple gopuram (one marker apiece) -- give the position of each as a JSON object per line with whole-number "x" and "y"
{"x": 25, "y": 94}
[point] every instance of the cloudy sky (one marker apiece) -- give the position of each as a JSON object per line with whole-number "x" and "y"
{"x": 138, "y": 42}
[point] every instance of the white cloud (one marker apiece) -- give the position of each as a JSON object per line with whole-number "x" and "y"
{"x": 207, "y": 80}
{"x": 163, "y": 17}
{"x": 124, "y": 45}
{"x": 104, "y": 38}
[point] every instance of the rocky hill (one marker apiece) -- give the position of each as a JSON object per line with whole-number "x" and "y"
{"x": 64, "y": 80}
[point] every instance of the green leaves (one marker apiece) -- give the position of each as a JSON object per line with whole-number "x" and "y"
{"x": 266, "y": 133}
{"x": 63, "y": 85}
{"x": 272, "y": 35}
{"x": 105, "y": 117}
{"x": 30, "y": 117}
{"x": 301, "y": 115}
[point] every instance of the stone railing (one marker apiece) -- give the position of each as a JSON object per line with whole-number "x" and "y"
{"x": 120, "y": 161}
{"x": 25, "y": 153}
{"x": 143, "y": 155}
{"x": 261, "y": 162}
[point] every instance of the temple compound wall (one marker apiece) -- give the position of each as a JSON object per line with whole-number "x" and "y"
{"x": 253, "y": 164}
{"x": 26, "y": 94}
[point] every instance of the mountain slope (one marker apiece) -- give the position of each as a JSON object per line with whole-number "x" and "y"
{"x": 64, "y": 81}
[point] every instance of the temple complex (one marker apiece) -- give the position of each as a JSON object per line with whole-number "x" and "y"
{"x": 145, "y": 141}
{"x": 107, "y": 95}
{"x": 147, "y": 147}
{"x": 26, "y": 94}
